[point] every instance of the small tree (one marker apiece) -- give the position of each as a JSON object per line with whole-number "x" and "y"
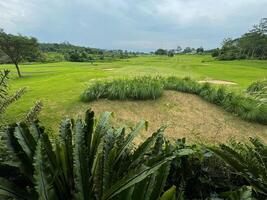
{"x": 188, "y": 50}
{"x": 18, "y": 48}
{"x": 161, "y": 52}
{"x": 170, "y": 53}
{"x": 200, "y": 50}
{"x": 179, "y": 49}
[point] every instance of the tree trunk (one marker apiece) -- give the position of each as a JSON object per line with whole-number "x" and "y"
{"x": 17, "y": 67}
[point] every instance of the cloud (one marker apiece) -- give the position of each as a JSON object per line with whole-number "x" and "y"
{"x": 132, "y": 24}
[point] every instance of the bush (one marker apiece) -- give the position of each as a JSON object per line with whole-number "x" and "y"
{"x": 182, "y": 85}
{"x": 97, "y": 162}
{"x": 201, "y": 174}
{"x": 258, "y": 91}
{"x": 249, "y": 161}
{"x": 138, "y": 88}
{"x": 258, "y": 86}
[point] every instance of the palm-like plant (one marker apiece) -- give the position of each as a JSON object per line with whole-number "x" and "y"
{"x": 249, "y": 161}
{"x": 5, "y": 98}
{"x": 86, "y": 161}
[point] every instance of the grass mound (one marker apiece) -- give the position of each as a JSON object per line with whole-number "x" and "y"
{"x": 143, "y": 88}
{"x": 138, "y": 88}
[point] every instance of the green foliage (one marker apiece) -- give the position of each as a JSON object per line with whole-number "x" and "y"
{"x": 138, "y": 88}
{"x": 244, "y": 193}
{"x": 252, "y": 45}
{"x": 249, "y": 161}
{"x": 169, "y": 194}
{"x": 182, "y": 85}
{"x": 86, "y": 162}
{"x": 258, "y": 86}
{"x": 258, "y": 91}
{"x": 65, "y": 51}
{"x": 161, "y": 52}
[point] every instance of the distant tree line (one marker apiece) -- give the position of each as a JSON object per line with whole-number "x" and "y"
{"x": 18, "y": 48}
{"x": 75, "y": 53}
{"x": 179, "y": 50}
{"x": 251, "y": 45}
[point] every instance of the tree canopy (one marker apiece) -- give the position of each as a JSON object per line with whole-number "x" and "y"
{"x": 251, "y": 45}
{"x": 18, "y": 48}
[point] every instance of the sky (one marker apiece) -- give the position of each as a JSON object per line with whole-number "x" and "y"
{"x": 139, "y": 25}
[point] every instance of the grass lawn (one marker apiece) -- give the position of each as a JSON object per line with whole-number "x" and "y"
{"x": 59, "y": 85}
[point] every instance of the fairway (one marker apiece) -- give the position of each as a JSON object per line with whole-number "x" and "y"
{"x": 59, "y": 85}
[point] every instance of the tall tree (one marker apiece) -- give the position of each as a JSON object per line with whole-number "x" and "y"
{"x": 179, "y": 49}
{"x": 18, "y": 48}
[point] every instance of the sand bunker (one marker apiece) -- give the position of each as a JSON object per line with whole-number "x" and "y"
{"x": 218, "y": 82}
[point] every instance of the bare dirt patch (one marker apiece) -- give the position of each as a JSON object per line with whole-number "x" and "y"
{"x": 186, "y": 116}
{"x": 108, "y": 69}
{"x": 218, "y": 82}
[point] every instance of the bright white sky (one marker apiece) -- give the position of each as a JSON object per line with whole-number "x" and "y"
{"x": 142, "y": 25}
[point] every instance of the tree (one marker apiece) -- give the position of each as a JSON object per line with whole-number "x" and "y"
{"x": 261, "y": 27}
{"x": 18, "y": 48}
{"x": 161, "y": 52}
{"x": 179, "y": 49}
{"x": 252, "y": 44}
{"x": 187, "y": 50}
{"x": 170, "y": 53}
{"x": 200, "y": 50}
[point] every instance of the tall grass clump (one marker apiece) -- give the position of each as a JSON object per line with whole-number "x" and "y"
{"x": 138, "y": 88}
{"x": 258, "y": 90}
{"x": 257, "y": 86}
{"x": 182, "y": 85}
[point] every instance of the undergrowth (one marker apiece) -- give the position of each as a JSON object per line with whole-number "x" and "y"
{"x": 138, "y": 88}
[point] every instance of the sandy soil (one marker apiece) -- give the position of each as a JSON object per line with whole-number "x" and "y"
{"x": 218, "y": 82}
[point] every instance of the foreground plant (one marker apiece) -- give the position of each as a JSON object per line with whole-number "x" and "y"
{"x": 249, "y": 161}
{"x": 86, "y": 161}
{"x": 5, "y": 98}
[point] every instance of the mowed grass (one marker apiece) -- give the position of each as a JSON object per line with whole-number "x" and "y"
{"x": 59, "y": 85}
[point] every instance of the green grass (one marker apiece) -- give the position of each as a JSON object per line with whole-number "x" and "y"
{"x": 59, "y": 85}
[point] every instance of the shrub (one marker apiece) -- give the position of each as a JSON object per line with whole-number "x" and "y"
{"x": 138, "y": 88}
{"x": 86, "y": 162}
{"x": 257, "y": 86}
{"x": 183, "y": 85}
{"x": 249, "y": 161}
{"x": 201, "y": 174}
{"x": 258, "y": 91}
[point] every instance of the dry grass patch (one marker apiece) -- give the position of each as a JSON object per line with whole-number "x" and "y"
{"x": 187, "y": 116}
